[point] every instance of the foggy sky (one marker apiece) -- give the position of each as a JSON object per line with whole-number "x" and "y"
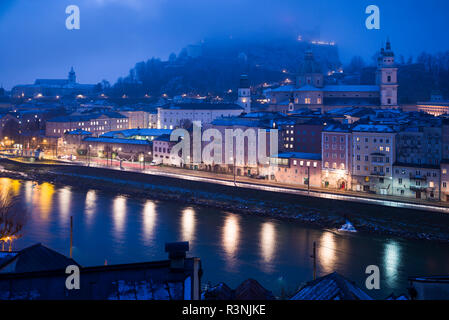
{"x": 115, "y": 34}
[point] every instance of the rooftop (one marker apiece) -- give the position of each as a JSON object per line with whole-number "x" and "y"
{"x": 33, "y": 259}
{"x": 202, "y": 106}
{"x": 299, "y": 155}
{"x": 373, "y": 128}
{"x": 331, "y": 287}
{"x": 136, "y": 132}
{"x": 87, "y": 117}
{"x": 117, "y": 140}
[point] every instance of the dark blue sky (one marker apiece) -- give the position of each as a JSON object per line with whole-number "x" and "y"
{"x": 115, "y": 34}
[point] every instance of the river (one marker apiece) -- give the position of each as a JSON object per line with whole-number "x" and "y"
{"x": 232, "y": 247}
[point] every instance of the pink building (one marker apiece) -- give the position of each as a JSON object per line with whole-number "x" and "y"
{"x": 298, "y": 168}
{"x": 336, "y": 156}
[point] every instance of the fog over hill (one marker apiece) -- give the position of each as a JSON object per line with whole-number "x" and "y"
{"x": 214, "y": 66}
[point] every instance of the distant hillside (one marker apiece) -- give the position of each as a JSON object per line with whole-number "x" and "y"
{"x": 214, "y": 66}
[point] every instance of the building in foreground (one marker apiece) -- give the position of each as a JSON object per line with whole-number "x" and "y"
{"x": 331, "y": 287}
{"x": 38, "y": 273}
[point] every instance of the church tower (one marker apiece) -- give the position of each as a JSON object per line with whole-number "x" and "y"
{"x": 72, "y": 76}
{"x": 387, "y": 78}
{"x": 310, "y": 73}
{"x": 244, "y": 94}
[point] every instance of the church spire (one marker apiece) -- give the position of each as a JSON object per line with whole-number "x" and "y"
{"x": 388, "y": 45}
{"x": 72, "y": 76}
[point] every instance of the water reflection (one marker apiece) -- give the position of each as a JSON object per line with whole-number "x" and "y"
{"x": 327, "y": 255}
{"x": 231, "y": 237}
{"x": 45, "y": 199}
{"x": 149, "y": 220}
{"x": 391, "y": 261}
{"x": 90, "y": 205}
{"x": 267, "y": 243}
{"x": 188, "y": 224}
{"x": 28, "y": 192}
{"x": 8, "y": 186}
{"x": 119, "y": 215}
{"x": 65, "y": 197}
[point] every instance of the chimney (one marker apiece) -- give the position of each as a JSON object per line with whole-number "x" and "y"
{"x": 177, "y": 254}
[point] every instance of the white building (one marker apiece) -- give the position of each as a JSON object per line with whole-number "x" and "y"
{"x": 373, "y": 156}
{"x": 175, "y": 115}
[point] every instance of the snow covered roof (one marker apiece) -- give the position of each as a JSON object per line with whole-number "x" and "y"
{"x": 348, "y": 88}
{"x": 299, "y": 155}
{"x": 331, "y": 287}
{"x": 136, "y": 132}
{"x": 373, "y": 128}
{"x": 289, "y": 88}
{"x": 202, "y": 106}
{"x": 117, "y": 140}
{"x": 33, "y": 259}
{"x": 38, "y": 268}
{"x": 79, "y": 132}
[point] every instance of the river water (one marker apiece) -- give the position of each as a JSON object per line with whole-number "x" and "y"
{"x": 232, "y": 247}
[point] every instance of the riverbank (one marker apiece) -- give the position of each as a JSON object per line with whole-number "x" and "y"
{"x": 322, "y": 213}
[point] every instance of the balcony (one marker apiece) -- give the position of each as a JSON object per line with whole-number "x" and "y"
{"x": 378, "y": 174}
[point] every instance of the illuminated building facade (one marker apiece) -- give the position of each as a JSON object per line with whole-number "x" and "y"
{"x": 311, "y": 91}
{"x": 336, "y": 156}
{"x": 373, "y": 158}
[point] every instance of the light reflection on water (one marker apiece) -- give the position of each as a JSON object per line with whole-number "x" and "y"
{"x": 230, "y": 239}
{"x": 232, "y": 247}
{"x": 188, "y": 224}
{"x": 149, "y": 221}
{"x": 268, "y": 245}
{"x": 392, "y": 261}
{"x": 90, "y": 206}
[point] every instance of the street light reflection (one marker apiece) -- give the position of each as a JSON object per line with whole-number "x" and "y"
{"x": 268, "y": 241}
{"x": 231, "y": 237}
{"x": 188, "y": 224}
{"x": 391, "y": 261}
{"x": 119, "y": 214}
{"x": 90, "y": 205}
{"x": 327, "y": 253}
{"x": 149, "y": 219}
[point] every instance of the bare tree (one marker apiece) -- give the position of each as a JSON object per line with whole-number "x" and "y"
{"x": 12, "y": 219}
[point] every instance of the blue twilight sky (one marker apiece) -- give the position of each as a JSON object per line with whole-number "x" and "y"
{"x": 115, "y": 34}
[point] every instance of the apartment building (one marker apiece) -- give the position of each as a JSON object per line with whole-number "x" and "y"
{"x": 97, "y": 123}
{"x": 373, "y": 158}
{"x": 336, "y": 156}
